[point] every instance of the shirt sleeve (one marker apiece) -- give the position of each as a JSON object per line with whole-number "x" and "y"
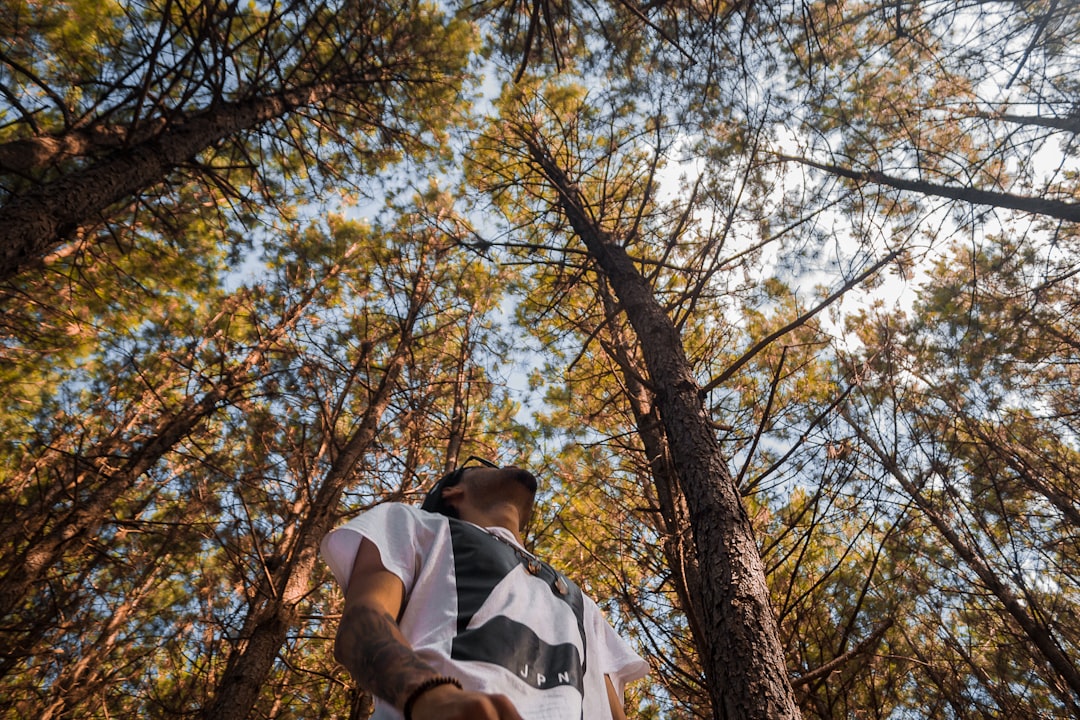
{"x": 617, "y": 659}
{"x": 400, "y": 532}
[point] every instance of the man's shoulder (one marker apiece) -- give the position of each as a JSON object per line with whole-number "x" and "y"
{"x": 393, "y": 506}
{"x": 393, "y": 524}
{"x": 396, "y": 513}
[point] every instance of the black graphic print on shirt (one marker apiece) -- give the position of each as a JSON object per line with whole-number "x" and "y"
{"x": 481, "y": 562}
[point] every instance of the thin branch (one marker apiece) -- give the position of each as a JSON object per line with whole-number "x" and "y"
{"x": 799, "y": 321}
{"x": 837, "y": 662}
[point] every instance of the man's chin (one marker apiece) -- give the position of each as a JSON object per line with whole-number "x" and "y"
{"x": 526, "y": 478}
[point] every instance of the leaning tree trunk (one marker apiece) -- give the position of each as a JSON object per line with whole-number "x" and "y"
{"x": 35, "y": 222}
{"x": 678, "y": 544}
{"x": 744, "y": 660}
{"x": 269, "y": 622}
{"x": 1058, "y": 209}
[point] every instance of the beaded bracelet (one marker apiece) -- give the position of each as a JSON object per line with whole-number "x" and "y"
{"x": 424, "y": 687}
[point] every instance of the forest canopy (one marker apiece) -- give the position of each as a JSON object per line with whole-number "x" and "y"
{"x": 778, "y": 300}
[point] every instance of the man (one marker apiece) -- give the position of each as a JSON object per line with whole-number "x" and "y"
{"x": 448, "y": 617}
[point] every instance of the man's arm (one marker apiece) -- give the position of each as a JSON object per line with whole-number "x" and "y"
{"x": 369, "y": 643}
{"x": 614, "y": 701}
{"x": 371, "y": 647}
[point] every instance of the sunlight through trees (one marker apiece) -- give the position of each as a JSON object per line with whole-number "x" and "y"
{"x": 266, "y": 265}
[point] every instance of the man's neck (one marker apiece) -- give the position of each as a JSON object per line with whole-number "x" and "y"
{"x": 503, "y": 516}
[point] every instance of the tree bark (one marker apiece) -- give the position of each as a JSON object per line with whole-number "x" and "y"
{"x": 744, "y": 661}
{"x": 35, "y": 222}
{"x": 1070, "y": 212}
{"x": 678, "y": 545}
{"x": 36, "y": 154}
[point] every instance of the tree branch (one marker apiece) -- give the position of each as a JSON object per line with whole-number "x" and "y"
{"x": 1061, "y": 210}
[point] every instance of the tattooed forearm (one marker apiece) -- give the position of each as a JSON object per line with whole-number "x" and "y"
{"x": 370, "y": 645}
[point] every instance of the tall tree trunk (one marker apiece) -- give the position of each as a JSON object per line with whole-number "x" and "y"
{"x": 269, "y": 622}
{"x": 744, "y": 661}
{"x": 34, "y": 154}
{"x": 678, "y": 545}
{"x": 33, "y": 223}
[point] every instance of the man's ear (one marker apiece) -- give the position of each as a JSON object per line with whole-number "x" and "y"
{"x": 453, "y": 494}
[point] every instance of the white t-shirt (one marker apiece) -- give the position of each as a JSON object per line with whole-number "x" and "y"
{"x": 480, "y": 608}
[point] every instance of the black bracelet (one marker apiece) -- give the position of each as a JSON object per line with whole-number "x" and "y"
{"x": 424, "y": 687}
